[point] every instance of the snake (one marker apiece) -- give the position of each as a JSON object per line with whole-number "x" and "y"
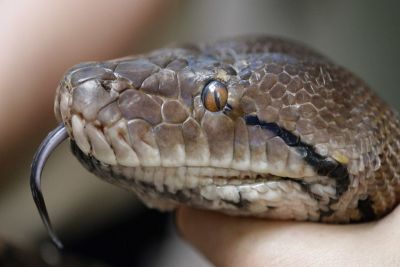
{"x": 257, "y": 126}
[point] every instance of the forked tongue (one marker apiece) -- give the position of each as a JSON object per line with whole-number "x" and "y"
{"x": 53, "y": 139}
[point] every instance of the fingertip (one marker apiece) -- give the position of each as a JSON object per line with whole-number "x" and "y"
{"x": 190, "y": 222}
{"x": 202, "y": 229}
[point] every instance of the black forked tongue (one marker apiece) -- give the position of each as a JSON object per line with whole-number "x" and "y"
{"x": 53, "y": 139}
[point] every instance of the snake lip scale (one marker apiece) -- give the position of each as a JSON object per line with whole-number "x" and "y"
{"x": 252, "y": 126}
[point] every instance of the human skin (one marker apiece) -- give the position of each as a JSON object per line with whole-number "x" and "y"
{"x": 236, "y": 241}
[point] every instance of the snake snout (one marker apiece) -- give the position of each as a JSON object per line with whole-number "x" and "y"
{"x": 90, "y": 77}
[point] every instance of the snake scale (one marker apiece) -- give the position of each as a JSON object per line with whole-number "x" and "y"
{"x": 254, "y": 125}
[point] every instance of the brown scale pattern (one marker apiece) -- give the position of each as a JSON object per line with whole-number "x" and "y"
{"x": 277, "y": 80}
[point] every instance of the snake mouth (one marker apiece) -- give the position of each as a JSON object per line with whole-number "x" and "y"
{"x": 231, "y": 191}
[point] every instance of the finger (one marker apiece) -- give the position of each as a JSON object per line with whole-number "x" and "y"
{"x": 234, "y": 241}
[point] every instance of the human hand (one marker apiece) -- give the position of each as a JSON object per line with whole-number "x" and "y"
{"x": 236, "y": 241}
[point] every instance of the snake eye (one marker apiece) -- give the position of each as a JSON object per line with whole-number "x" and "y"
{"x": 214, "y": 96}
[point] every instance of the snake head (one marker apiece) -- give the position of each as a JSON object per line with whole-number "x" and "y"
{"x": 255, "y": 126}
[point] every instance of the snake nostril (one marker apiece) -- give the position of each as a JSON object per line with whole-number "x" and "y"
{"x": 118, "y": 85}
{"x": 107, "y": 85}
{"x": 78, "y": 76}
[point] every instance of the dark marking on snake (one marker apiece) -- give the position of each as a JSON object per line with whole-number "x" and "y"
{"x": 305, "y": 187}
{"x": 245, "y": 73}
{"x": 242, "y": 203}
{"x": 366, "y": 210}
{"x": 324, "y": 166}
{"x": 325, "y": 213}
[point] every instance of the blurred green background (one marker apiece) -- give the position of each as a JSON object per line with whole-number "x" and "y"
{"x": 363, "y": 36}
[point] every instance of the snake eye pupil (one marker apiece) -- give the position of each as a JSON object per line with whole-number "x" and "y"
{"x": 214, "y": 96}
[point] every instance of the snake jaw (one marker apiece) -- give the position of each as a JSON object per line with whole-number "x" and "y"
{"x": 53, "y": 139}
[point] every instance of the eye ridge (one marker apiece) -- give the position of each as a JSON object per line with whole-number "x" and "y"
{"x": 214, "y": 96}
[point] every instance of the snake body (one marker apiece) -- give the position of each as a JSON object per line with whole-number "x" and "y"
{"x": 298, "y": 138}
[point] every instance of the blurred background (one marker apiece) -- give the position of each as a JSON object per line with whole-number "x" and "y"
{"x": 41, "y": 39}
